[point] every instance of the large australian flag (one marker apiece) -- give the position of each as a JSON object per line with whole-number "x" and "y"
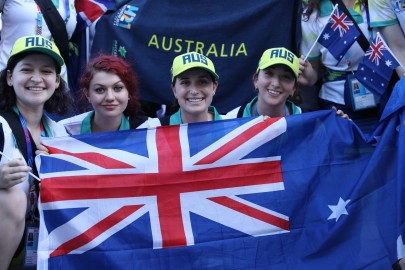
{"x": 300, "y": 192}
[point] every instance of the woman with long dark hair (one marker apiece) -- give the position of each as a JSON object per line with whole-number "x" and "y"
{"x": 30, "y": 86}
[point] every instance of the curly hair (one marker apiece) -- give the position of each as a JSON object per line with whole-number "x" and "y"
{"x": 60, "y": 102}
{"x": 122, "y": 69}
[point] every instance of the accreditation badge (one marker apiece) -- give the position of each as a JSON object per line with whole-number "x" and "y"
{"x": 360, "y": 98}
{"x": 31, "y": 230}
{"x": 31, "y": 244}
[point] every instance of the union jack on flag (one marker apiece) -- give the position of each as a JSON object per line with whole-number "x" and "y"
{"x": 97, "y": 187}
{"x": 339, "y": 34}
{"x": 372, "y": 73}
{"x": 375, "y": 51}
{"x": 340, "y": 21}
{"x": 299, "y": 192}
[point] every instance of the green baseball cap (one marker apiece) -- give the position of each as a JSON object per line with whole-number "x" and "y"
{"x": 37, "y": 44}
{"x": 190, "y": 60}
{"x": 282, "y": 56}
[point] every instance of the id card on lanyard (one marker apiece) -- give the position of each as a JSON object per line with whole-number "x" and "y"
{"x": 40, "y": 17}
{"x": 32, "y": 228}
{"x": 360, "y": 97}
{"x": 31, "y": 244}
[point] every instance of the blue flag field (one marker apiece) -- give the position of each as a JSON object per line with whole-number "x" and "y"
{"x": 302, "y": 192}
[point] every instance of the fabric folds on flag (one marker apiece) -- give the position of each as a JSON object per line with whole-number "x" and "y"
{"x": 300, "y": 192}
{"x": 377, "y": 66}
{"x": 339, "y": 34}
{"x": 393, "y": 117}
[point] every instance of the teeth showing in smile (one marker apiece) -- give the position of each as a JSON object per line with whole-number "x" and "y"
{"x": 35, "y": 88}
{"x": 273, "y": 92}
{"x": 194, "y": 99}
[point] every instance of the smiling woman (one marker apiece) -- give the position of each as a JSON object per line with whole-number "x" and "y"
{"x": 29, "y": 85}
{"x": 194, "y": 83}
{"x": 275, "y": 82}
{"x": 109, "y": 84}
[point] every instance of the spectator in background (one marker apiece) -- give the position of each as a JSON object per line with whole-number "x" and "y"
{"x": 337, "y": 75}
{"x": 388, "y": 16}
{"x": 24, "y": 18}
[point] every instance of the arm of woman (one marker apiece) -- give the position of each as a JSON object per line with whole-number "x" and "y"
{"x": 13, "y": 173}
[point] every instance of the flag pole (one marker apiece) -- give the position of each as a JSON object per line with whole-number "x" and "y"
{"x": 316, "y": 40}
{"x": 30, "y": 173}
{"x": 388, "y": 48}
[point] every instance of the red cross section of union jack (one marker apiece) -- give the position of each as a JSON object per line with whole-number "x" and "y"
{"x": 113, "y": 187}
{"x": 340, "y": 21}
{"x": 92, "y": 10}
{"x": 375, "y": 52}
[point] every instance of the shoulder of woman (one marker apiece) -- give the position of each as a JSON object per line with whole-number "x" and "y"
{"x": 151, "y": 122}
{"x": 74, "y": 119}
{"x": 7, "y": 142}
{"x": 6, "y": 128}
{"x": 232, "y": 114}
{"x": 57, "y": 128}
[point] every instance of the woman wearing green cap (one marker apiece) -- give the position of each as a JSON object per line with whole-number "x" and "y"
{"x": 29, "y": 85}
{"x": 194, "y": 83}
{"x": 275, "y": 82}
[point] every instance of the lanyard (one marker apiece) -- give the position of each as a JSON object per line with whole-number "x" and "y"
{"x": 370, "y": 30}
{"x": 39, "y": 21}
{"x": 370, "y": 36}
{"x": 30, "y": 156}
{"x": 40, "y": 16}
{"x": 28, "y": 142}
{"x": 33, "y": 192}
{"x": 66, "y": 2}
